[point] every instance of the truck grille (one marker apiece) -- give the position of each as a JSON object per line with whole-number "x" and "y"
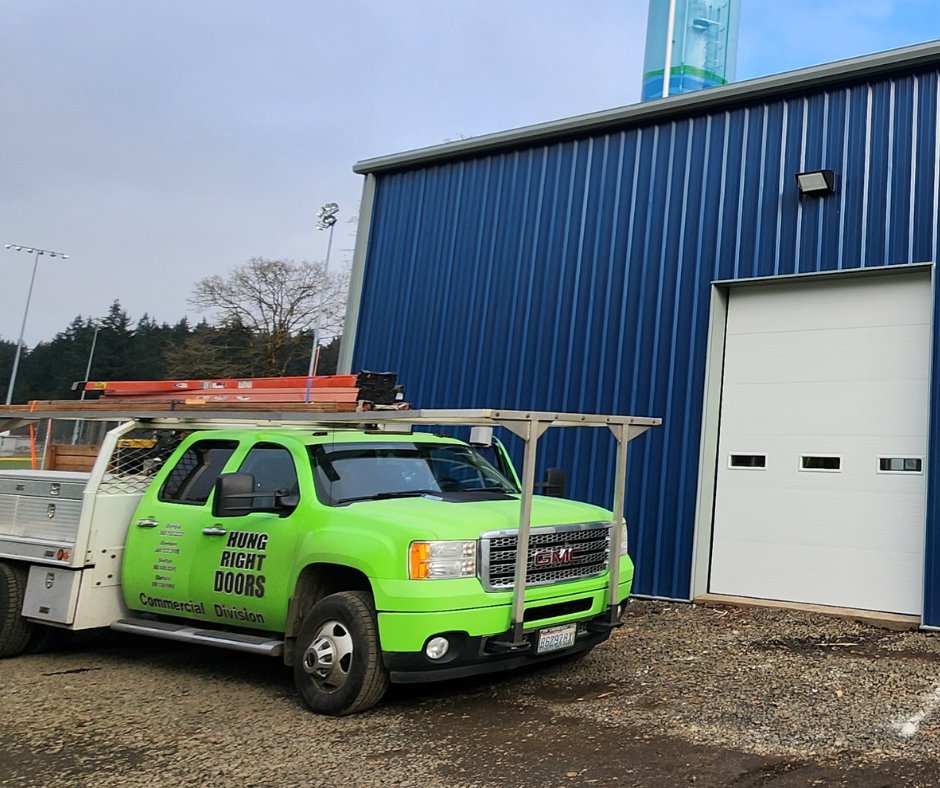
{"x": 556, "y": 554}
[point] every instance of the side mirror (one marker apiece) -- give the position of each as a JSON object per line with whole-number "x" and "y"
{"x": 234, "y": 495}
{"x": 286, "y": 502}
{"x": 481, "y": 436}
{"x": 555, "y": 483}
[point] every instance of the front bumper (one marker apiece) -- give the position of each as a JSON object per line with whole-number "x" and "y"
{"x": 473, "y": 655}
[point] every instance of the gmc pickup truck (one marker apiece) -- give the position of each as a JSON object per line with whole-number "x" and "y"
{"x": 355, "y": 548}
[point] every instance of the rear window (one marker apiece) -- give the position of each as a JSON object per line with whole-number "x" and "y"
{"x": 195, "y": 473}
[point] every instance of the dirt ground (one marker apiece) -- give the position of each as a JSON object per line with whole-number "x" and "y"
{"x": 681, "y": 695}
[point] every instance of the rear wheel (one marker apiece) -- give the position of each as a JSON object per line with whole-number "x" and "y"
{"x": 337, "y": 659}
{"x": 15, "y": 631}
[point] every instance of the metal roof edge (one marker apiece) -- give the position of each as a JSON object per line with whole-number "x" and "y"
{"x": 880, "y": 63}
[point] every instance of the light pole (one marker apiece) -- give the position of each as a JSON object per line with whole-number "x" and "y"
{"x": 91, "y": 356}
{"x": 29, "y": 295}
{"x": 326, "y": 218}
{"x": 80, "y": 425}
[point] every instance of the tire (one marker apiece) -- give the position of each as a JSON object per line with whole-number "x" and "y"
{"x": 338, "y": 666}
{"x": 15, "y": 631}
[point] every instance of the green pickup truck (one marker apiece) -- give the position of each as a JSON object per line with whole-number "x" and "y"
{"x": 355, "y": 548}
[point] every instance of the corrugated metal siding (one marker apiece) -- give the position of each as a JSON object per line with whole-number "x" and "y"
{"x": 576, "y": 276}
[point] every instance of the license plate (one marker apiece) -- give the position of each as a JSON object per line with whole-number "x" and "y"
{"x": 556, "y": 638}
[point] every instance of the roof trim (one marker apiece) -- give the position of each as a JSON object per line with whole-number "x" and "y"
{"x": 879, "y": 64}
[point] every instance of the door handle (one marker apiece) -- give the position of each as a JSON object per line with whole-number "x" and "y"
{"x": 147, "y": 522}
{"x": 214, "y": 531}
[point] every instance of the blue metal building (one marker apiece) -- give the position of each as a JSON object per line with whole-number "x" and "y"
{"x": 586, "y": 265}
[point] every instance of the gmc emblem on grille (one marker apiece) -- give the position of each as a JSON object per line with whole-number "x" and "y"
{"x": 558, "y": 555}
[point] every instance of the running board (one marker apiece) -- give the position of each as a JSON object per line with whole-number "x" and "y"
{"x": 234, "y": 641}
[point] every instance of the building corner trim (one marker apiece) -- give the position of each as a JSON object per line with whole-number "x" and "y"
{"x": 356, "y": 277}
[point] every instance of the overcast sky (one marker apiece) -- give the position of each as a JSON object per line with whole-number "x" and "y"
{"x": 160, "y": 141}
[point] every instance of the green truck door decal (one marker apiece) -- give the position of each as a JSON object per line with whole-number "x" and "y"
{"x": 243, "y": 563}
{"x": 162, "y": 544}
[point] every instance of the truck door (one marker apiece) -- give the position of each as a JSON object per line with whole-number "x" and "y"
{"x": 163, "y": 538}
{"x": 244, "y": 562}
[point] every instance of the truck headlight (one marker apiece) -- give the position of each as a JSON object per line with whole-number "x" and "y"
{"x": 623, "y": 538}
{"x": 442, "y": 560}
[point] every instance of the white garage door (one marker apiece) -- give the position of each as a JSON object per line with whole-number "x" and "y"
{"x": 821, "y": 489}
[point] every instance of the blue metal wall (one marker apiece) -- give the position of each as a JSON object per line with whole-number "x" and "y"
{"x": 575, "y": 276}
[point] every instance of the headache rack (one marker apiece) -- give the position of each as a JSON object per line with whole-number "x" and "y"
{"x": 529, "y": 426}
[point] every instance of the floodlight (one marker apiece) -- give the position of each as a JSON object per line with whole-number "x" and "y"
{"x": 816, "y": 183}
{"x": 29, "y": 293}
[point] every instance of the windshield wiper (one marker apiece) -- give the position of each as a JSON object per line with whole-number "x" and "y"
{"x": 384, "y": 496}
{"x": 488, "y": 490}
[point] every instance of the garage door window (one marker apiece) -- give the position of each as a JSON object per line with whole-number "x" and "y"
{"x": 817, "y": 462}
{"x": 752, "y": 461}
{"x": 900, "y": 465}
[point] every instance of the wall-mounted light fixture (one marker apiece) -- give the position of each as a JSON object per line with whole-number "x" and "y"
{"x": 816, "y": 183}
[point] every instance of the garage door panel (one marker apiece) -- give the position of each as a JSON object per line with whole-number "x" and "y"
{"x": 850, "y": 380}
{"x": 826, "y": 422}
{"x": 839, "y": 357}
{"x": 829, "y": 305}
{"x": 832, "y": 532}
{"x": 801, "y": 576}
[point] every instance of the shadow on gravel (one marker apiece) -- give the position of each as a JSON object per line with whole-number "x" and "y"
{"x": 154, "y": 654}
{"x": 22, "y": 765}
{"x": 864, "y": 647}
{"x": 490, "y": 739}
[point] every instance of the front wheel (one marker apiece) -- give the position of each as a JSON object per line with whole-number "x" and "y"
{"x": 338, "y": 665}
{"x": 15, "y": 631}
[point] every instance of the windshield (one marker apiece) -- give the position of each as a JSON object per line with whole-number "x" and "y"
{"x": 350, "y": 472}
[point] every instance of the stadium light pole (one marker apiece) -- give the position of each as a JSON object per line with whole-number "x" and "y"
{"x": 326, "y": 218}
{"x": 91, "y": 357}
{"x": 79, "y": 429}
{"x": 29, "y": 295}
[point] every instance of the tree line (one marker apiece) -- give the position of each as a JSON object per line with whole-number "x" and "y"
{"x": 261, "y": 321}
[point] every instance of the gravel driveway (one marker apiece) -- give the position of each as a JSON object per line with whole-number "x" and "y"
{"x": 681, "y": 695}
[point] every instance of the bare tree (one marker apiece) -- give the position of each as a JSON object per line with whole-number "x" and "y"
{"x": 276, "y": 302}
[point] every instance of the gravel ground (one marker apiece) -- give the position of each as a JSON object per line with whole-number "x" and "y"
{"x": 681, "y": 695}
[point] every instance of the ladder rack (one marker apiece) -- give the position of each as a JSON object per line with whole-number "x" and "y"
{"x": 527, "y": 425}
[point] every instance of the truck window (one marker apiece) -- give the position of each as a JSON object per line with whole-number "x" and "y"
{"x": 345, "y": 473}
{"x": 273, "y": 469}
{"x": 194, "y": 475}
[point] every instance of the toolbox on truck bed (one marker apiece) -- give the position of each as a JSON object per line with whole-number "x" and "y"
{"x": 40, "y": 512}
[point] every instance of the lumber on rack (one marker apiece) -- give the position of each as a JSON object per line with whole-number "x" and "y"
{"x": 194, "y": 405}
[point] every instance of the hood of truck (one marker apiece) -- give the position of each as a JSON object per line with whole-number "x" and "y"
{"x": 429, "y": 518}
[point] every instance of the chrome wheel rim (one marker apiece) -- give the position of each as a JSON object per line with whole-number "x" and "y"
{"x": 328, "y": 658}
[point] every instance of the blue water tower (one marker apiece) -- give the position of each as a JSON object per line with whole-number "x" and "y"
{"x": 700, "y": 40}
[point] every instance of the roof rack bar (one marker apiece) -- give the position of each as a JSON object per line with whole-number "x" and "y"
{"x": 197, "y": 414}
